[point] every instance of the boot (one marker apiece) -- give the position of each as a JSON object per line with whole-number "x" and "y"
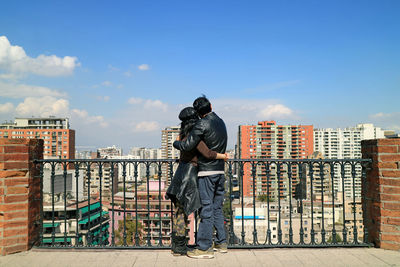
{"x": 179, "y": 245}
{"x": 173, "y": 242}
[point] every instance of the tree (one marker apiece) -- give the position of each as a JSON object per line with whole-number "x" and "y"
{"x": 338, "y": 239}
{"x": 264, "y": 198}
{"x": 130, "y": 232}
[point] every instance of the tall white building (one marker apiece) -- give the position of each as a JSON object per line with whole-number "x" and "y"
{"x": 141, "y": 168}
{"x": 168, "y": 136}
{"x": 345, "y": 144}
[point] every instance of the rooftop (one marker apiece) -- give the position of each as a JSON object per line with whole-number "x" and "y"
{"x": 237, "y": 257}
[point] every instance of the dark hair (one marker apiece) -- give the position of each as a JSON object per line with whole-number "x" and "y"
{"x": 189, "y": 117}
{"x": 202, "y": 105}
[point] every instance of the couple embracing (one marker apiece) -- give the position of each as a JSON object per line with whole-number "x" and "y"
{"x": 199, "y": 181}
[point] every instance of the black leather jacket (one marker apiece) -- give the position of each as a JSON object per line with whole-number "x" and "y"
{"x": 211, "y": 129}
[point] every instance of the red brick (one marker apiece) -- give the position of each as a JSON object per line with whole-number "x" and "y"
{"x": 16, "y": 157}
{"x": 14, "y": 249}
{"x": 16, "y": 223}
{"x": 391, "y": 190}
{"x": 391, "y": 205}
{"x": 371, "y": 142}
{"x": 15, "y": 165}
{"x": 388, "y": 245}
{"x": 387, "y": 165}
{"x": 390, "y": 158}
{"x": 15, "y": 232}
{"x": 1, "y": 191}
{"x": 390, "y": 213}
{"x": 389, "y": 220}
{"x": 394, "y": 173}
{"x": 390, "y": 237}
{"x": 388, "y": 141}
{"x": 389, "y": 228}
{"x": 14, "y": 207}
{"x": 16, "y": 149}
{"x": 389, "y": 181}
{"x": 16, "y": 182}
{"x": 21, "y": 240}
{"x": 15, "y": 198}
{"x": 8, "y": 174}
{"x": 388, "y": 197}
{"x": 7, "y": 142}
{"x": 387, "y": 149}
{"x": 15, "y": 215}
{"x": 368, "y": 149}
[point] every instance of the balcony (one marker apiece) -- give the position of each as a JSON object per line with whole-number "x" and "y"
{"x": 298, "y": 203}
{"x": 303, "y": 193}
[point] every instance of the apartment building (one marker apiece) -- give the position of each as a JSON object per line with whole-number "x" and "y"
{"x": 59, "y": 139}
{"x": 345, "y": 143}
{"x": 74, "y": 223}
{"x": 267, "y": 140}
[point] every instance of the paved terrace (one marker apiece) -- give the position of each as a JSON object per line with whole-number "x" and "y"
{"x": 292, "y": 257}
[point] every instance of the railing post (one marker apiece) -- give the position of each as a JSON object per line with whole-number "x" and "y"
{"x": 381, "y": 192}
{"x": 20, "y": 194}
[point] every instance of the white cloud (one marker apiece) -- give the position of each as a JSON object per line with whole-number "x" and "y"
{"x": 43, "y": 106}
{"x": 388, "y": 121}
{"x": 128, "y": 73}
{"x": 112, "y": 68}
{"x": 6, "y": 108}
{"x": 157, "y": 104}
{"x": 135, "y": 100}
{"x": 148, "y": 103}
{"x": 14, "y": 90}
{"x": 381, "y": 115}
{"x": 84, "y": 116}
{"x": 105, "y": 98}
{"x": 144, "y": 67}
{"x": 13, "y": 59}
{"x": 276, "y": 111}
{"x": 106, "y": 83}
{"x": 147, "y": 126}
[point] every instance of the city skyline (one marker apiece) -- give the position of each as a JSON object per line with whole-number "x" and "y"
{"x": 122, "y": 71}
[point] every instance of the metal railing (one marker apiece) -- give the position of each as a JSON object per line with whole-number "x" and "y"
{"x": 120, "y": 203}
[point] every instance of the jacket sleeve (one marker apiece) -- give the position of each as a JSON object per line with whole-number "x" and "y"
{"x": 192, "y": 139}
{"x": 205, "y": 151}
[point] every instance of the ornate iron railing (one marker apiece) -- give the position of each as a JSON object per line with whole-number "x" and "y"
{"x": 121, "y": 203}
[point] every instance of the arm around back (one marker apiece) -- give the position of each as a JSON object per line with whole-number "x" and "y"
{"x": 192, "y": 139}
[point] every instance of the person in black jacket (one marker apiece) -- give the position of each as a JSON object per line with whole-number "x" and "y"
{"x": 211, "y": 180}
{"x": 183, "y": 190}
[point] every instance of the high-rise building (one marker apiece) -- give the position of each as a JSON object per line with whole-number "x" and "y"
{"x": 168, "y": 136}
{"x": 345, "y": 144}
{"x": 59, "y": 139}
{"x": 267, "y": 140}
{"x": 104, "y": 180}
{"x": 146, "y": 153}
{"x": 108, "y": 152}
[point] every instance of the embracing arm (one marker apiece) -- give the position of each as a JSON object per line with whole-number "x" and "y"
{"x": 192, "y": 139}
{"x": 208, "y": 153}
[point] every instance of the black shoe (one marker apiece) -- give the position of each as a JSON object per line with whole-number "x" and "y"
{"x": 178, "y": 245}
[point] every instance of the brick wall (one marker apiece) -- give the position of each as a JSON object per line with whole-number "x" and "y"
{"x": 382, "y": 191}
{"x": 19, "y": 194}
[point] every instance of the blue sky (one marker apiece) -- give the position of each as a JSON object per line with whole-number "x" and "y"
{"x": 122, "y": 70}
